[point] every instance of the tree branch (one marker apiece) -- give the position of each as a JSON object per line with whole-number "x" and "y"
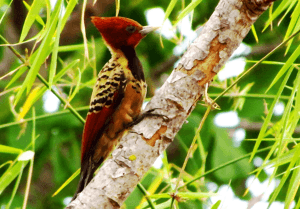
{"x": 221, "y": 35}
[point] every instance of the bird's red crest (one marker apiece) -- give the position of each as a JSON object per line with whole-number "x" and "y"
{"x": 118, "y": 31}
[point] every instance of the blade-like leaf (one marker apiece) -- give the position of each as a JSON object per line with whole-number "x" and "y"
{"x": 30, "y": 100}
{"x": 64, "y": 70}
{"x": 74, "y": 175}
{"x": 38, "y": 18}
{"x": 283, "y": 5}
{"x": 42, "y": 53}
{"x": 285, "y": 128}
{"x": 30, "y": 18}
{"x": 187, "y": 10}
{"x": 286, "y": 66}
{"x": 297, "y": 28}
{"x": 8, "y": 7}
{"x": 69, "y": 9}
{"x": 53, "y": 64}
{"x": 11, "y": 174}
{"x": 39, "y": 92}
{"x": 287, "y": 11}
{"x": 77, "y": 86}
{"x": 216, "y": 205}
{"x": 293, "y": 187}
{"x": 117, "y": 7}
{"x": 15, "y": 188}
{"x": 11, "y": 150}
{"x": 269, "y": 116}
{"x": 284, "y": 159}
{"x": 293, "y": 21}
{"x": 170, "y": 9}
{"x": 195, "y": 195}
{"x": 71, "y": 48}
{"x": 286, "y": 174}
{"x": 20, "y": 72}
{"x": 254, "y": 33}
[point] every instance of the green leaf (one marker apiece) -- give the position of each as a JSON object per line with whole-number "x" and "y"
{"x": 41, "y": 91}
{"x": 20, "y": 72}
{"x": 11, "y": 173}
{"x": 30, "y": 100}
{"x": 117, "y": 7}
{"x": 216, "y": 205}
{"x": 11, "y": 150}
{"x": 285, "y": 67}
{"x": 53, "y": 64}
{"x": 42, "y": 54}
{"x": 70, "y": 48}
{"x": 297, "y": 28}
{"x": 15, "y": 188}
{"x": 69, "y": 9}
{"x": 293, "y": 186}
{"x": 38, "y": 18}
{"x": 284, "y": 159}
{"x": 30, "y": 18}
{"x": 161, "y": 195}
{"x": 286, "y": 174}
{"x": 285, "y": 129}
{"x": 287, "y": 11}
{"x": 293, "y": 21}
{"x": 195, "y": 195}
{"x": 65, "y": 69}
{"x": 77, "y": 86}
{"x": 8, "y": 7}
{"x": 170, "y": 9}
{"x": 283, "y": 5}
{"x": 187, "y": 10}
{"x": 293, "y": 26}
{"x": 269, "y": 116}
{"x": 254, "y": 33}
{"x": 74, "y": 175}
{"x": 163, "y": 205}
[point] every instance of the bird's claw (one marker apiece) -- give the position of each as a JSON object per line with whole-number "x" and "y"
{"x": 151, "y": 114}
{"x": 148, "y": 113}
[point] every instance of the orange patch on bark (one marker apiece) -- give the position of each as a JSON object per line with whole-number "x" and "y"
{"x": 156, "y": 136}
{"x": 207, "y": 65}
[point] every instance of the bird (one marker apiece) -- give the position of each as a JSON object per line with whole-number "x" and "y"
{"x": 117, "y": 96}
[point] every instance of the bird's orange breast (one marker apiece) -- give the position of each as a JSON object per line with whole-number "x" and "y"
{"x": 128, "y": 110}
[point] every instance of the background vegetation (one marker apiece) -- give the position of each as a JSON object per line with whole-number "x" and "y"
{"x": 41, "y": 150}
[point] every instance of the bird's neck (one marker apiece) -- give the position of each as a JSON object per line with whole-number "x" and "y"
{"x": 134, "y": 64}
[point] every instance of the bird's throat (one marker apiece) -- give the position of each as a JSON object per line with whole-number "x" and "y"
{"x": 134, "y": 64}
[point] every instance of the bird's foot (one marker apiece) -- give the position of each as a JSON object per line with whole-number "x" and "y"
{"x": 148, "y": 113}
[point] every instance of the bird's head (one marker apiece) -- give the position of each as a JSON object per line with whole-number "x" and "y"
{"x": 121, "y": 31}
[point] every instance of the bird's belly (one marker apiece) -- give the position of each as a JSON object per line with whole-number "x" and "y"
{"x": 127, "y": 111}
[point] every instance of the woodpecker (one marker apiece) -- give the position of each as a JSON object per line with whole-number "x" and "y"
{"x": 118, "y": 94}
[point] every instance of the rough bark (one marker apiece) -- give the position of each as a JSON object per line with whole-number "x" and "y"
{"x": 137, "y": 151}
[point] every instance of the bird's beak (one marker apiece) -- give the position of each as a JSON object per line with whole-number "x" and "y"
{"x": 147, "y": 29}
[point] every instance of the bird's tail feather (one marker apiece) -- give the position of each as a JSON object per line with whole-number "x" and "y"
{"x": 86, "y": 175}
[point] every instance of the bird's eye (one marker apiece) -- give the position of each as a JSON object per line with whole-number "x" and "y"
{"x": 131, "y": 28}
